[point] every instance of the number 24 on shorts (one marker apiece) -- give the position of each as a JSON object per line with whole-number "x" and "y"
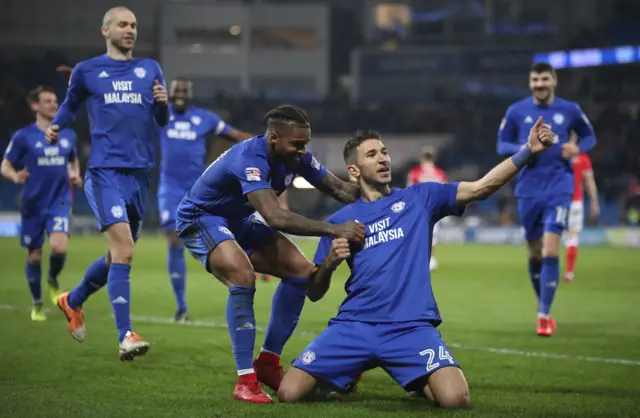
{"x": 431, "y": 354}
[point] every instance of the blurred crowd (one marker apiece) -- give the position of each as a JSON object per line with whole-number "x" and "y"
{"x": 608, "y": 95}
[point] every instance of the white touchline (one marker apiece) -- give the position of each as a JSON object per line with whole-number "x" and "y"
{"x": 494, "y": 350}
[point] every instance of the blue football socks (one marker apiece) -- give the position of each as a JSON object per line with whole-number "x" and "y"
{"x": 177, "y": 273}
{"x": 287, "y": 304}
{"x": 535, "y": 266}
{"x": 33, "y": 271}
{"x": 549, "y": 279}
{"x": 242, "y": 326}
{"x": 120, "y": 295}
{"x": 94, "y": 279}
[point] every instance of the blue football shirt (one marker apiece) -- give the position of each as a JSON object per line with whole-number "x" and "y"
{"x": 122, "y": 112}
{"x": 548, "y": 174}
{"x": 390, "y": 279}
{"x": 245, "y": 167}
{"x": 184, "y": 148}
{"x": 48, "y": 182}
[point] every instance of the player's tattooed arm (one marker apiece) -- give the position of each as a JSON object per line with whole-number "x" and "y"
{"x": 267, "y": 204}
{"x": 540, "y": 138}
{"x": 340, "y": 190}
{"x": 320, "y": 279}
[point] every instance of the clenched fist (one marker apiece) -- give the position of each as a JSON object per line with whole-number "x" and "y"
{"x": 540, "y": 137}
{"x": 159, "y": 93}
{"x": 51, "y": 134}
{"x": 352, "y": 231}
{"x": 339, "y": 252}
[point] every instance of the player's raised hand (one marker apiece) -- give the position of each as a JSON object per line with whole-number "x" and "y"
{"x": 339, "y": 251}
{"x": 21, "y": 176}
{"x": 51, "y": 134}
{"x": 540, "y": 137}
{"x": 159, "y": 93}
{"x": 352, "y": 231}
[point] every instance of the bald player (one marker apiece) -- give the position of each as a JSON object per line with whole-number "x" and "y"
{"x": 126, "y": 102}
{"x": 184, "y": 147}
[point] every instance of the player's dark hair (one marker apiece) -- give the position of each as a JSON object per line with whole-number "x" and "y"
{"x": 286, "y": 115}
{"x": 542, "y": 67}
{"x": 34, "y": 95}
{"x": 352, "y": 145}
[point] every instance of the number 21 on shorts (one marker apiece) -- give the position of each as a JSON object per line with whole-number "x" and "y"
{"x": 443, "y": 354}
{"x": 60, "y": 224}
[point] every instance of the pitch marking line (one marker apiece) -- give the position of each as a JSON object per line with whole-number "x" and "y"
{"x": 494, "y": 350}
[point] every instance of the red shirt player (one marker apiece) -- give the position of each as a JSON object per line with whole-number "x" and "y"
{"x": 428, "y": 171}
{"x": 582, "y": 174}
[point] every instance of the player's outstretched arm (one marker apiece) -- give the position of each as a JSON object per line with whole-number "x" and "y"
{"x": 340, "y": 190}
{"x": 265, "y": 201}
{"x": 540, "y": 138}
{"x": 507, "y": 136}
{"x": 320, "y": 279}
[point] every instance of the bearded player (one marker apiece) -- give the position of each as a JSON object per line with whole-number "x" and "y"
{"x": 389, "y": 318}
{"x": 545, "y": 186}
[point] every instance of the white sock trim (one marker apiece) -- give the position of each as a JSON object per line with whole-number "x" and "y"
{"x": 262, "y": 350}
{"x": 245, "y": 371}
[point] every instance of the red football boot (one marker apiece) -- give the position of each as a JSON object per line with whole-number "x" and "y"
{"x": 248, "y": 390}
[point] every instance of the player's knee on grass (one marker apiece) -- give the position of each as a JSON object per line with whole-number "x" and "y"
{"x": 296, "y": 386}
{"x": 120, "y": 243}
{"x": 34, "y": 256}
{"x": 58, "y": 242}
{"x": 535, "y": 249}
{"x": 229, "y": 264}
{"x": 448, "y": 388}
{"x": 550, "y": 244}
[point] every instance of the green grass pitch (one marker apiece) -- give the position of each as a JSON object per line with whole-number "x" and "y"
{"x": 590, "y": 368}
